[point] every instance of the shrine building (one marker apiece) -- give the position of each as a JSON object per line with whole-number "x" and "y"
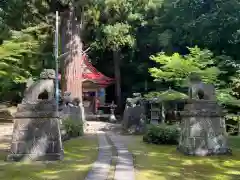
{"x": 94, "y": 85}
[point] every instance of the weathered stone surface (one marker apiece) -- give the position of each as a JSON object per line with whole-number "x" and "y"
{"x": 37, "y": 139}
{"x": 73, "y": 112}
{"x": 48, "y": 74}
{"x": 41, "y": 106}
{"x": 134, "y": 115}
{"x": 36, "y": 133}
{"x": 101, "y": 167}
{"x": 124, "y": 167}
{"x": 203, "y": 130}
{"x": 199, "y": 89}
{"x": 41, "y": 89}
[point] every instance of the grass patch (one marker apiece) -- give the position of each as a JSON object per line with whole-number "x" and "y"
{"x": 234, "y": 142}
{"x": 79, "y": 155}
{"x": 159, "y": 162}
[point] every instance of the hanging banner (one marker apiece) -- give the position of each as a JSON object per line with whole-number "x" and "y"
{"x": 101, "y": 92}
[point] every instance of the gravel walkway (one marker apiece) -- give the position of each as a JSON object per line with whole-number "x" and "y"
{"x": 101, "y": 167}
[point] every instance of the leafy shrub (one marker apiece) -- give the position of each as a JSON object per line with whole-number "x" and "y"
{"x": 73, "y": 128}
{"x": 162, "y": 134}
{"x": 232, "y": 124}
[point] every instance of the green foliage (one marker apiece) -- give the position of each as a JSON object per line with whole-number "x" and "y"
{"x": 233, "y": 117}
{"x": 236, "y": 84}
{"x": 20, "y": 56}
{"x": 225, "y": 97}
{"x": 152, "y": 94}
{"x": 177, "y": 68}
{"x": 118, "y": 35}
{"x": 74, "y": 128}
{"x": 232, "y": 124}
{"x": 14, "y": 54}
{"x": 136, "y": 29}
{"x": 162, "y": 134}
{"x": 168, "y": 95}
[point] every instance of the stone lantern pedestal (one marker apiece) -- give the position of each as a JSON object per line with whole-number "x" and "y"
{"x": 203, "y": 130}
{"x": 36, "y": 131}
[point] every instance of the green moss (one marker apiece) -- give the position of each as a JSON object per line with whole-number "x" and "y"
{"x": 80, "y": 153}
{"x": 163, "y": 162}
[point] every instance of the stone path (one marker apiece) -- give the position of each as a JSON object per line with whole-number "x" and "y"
{"x": 124, "y": 169}
{"x": 101, "y": 167}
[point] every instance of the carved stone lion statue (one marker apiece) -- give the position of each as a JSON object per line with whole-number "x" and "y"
{"x": 41, "y": 89}
{"x": 200, "y": 90}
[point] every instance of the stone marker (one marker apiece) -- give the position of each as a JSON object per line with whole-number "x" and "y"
{"x": 36, "y": 131}
{"x": 134, "y": 117}
{"x": 203, "y": 130}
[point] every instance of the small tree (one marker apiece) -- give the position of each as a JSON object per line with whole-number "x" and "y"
{"x": 117, "y": 37}
{"x": 176, "y": 68}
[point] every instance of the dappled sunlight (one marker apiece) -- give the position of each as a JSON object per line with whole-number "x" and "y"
{"x": 232, "y": 163}
{"x": 50, "y": 177}
{"x": 68, "y": 170}
{"x": 187, "y": 163}
{"x": 233, "y": 172}
{"x": 4, "y": 145}
{"x": 79, "y": 155}
{"x": 157, "y": 162}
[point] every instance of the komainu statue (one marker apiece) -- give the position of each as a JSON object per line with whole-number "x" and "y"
{"x": 36, "y": 130}
{"x": 200, "y": 90}
{"x": 203, "y": 129}
{"x": 41, "y": 89}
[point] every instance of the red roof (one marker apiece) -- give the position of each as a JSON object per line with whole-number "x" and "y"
{"x": 94, "y": 74}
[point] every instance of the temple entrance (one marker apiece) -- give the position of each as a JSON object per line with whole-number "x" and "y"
{"x": 94, "y": 85}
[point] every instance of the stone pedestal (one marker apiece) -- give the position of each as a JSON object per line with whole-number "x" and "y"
{"x": 36, "y": 133}
{"x": 203, "y": 130}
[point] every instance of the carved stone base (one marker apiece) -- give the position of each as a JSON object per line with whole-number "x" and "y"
{"x": 36, "y": 137}
{"x": 203, "y": 130}
{"x": 47, "y": 157}
{"x": 204, "y": 152}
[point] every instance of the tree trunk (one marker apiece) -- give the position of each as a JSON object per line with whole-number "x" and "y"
{"x": 117, "y": 72}
{"x": 71, "y": 63}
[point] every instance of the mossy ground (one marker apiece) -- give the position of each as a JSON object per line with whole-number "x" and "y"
{"x": 80, "y": 153}
{"x": 158, "y": 162}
